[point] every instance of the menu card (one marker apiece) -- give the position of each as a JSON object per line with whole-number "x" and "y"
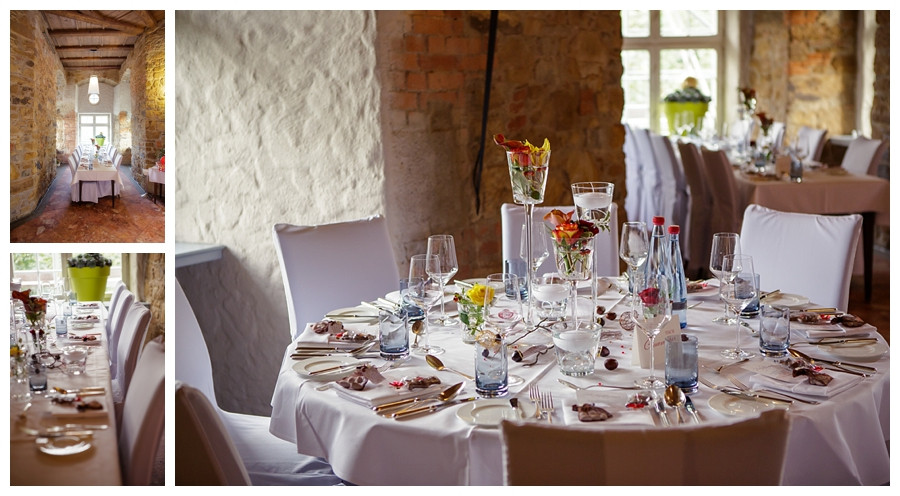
{"x": 640, "y": 344}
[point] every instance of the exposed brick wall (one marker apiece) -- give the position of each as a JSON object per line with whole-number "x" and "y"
{"x": 146, "y": 64}
{"x": 556, "y": 75}
{"x": 881, "y": 107}
{"x": 34, "y": 72}
{"x": 154, "y": 292}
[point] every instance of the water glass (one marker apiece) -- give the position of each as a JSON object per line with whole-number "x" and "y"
{"x": 37, "y": 377}
{"x": 752, "y": 308}
{"x": 774, "y": 330}
{"x": 393, "y": 334}
{"x": 61, "y": 326}
{"x": 519, "y": 269}
{"x": 73, "y": 298}
{"x": 491, "y": 367}
{"x": 681, "y": 362}
{"x": 75, "y": 359}
{"x": 576, "y": 348}
{"x": 551, "y": 292}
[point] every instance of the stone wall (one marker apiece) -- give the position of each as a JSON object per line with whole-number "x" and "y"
{"x": 881, "y": 108}
{"x": 146, "y": 68}
{"x": 556, "y": 75}
{"x": 278, "y": 121}
{"x": 34, "y": 72}
{"x": 154, "y": 292}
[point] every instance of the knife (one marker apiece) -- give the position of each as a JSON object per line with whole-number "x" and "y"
{"x": 661, "y": 411}
{"x": 431, "y": 408}
{"x": 689, "y": 406}
{"x": 32, "y": 432}
{"x": 399, "y": 403}
{"x": 339, "y": 368}
{"x": 826, "y": 341}
{"x": 755, "y": 396}
{"x": 830, "y": 362}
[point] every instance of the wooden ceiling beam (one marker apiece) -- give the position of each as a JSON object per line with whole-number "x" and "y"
{"x": 147, "y": 17}
{"x": 95, "y": 59}
{"x": 86, "y": 32}
{"x": 94, "y": 47}
{"x": 95, "y": 68}
{"x": 93, "y": 17}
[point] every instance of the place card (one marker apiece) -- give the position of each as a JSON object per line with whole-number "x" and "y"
{"x": 640, "y": 345}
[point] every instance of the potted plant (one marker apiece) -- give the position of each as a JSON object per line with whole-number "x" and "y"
{"x": 687, "y": 102}
{"x": 100, "y": 139}
{"x": 88, "y": 273}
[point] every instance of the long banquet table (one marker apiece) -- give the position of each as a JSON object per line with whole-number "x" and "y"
{"x": 99, "y": 465}
{"x": 825, "y": 191}
{"x": 101, "y": 171}
{"x": 840, "y": 441}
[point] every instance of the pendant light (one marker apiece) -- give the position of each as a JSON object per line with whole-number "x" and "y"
{"x": 94, "y": 90}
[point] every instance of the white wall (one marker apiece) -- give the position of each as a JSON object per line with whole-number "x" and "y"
{"x": 277, "y": 118}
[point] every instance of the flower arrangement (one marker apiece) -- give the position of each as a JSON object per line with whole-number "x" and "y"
{"x": 687, "y": 93}
{"x": 527, "y": 168}
{"x": 765, "y": 122}
{"x": 571, "y": 241}
{"x": 471, "y": 307}
{"x": 89, "y": 260}
{"x": 100, "y": 136}
{"x": 35, "y": 307}
{"x": 748, "y": 99}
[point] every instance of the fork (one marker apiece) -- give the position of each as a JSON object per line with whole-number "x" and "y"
{"x": 719, "y": 369}
{"x": 743, "y": 387}
{"x": 534, "y": 394}
{"x": 547, "y": 404}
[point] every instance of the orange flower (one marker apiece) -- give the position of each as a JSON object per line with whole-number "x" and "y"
{"x": 557, "y": 217}
{"x": 567, "y": 232}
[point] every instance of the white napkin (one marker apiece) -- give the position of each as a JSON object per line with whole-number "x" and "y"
{"x": 309, "y": 338}
{"x": 613, "y": 402}
{"x": 379, "y": 394}
{"x": 779, "y": 378}
{"x": 68, "y": 411}
{"x": 813, "y": 331}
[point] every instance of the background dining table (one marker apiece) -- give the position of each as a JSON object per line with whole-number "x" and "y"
{"x": 99, "y": 464}
{"x": 842, "y": 440}
{"x": 101, "y": 171}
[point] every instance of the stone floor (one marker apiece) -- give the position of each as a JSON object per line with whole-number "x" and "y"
{"x": 878, "y": 311}
{"x": 135, "y": 218}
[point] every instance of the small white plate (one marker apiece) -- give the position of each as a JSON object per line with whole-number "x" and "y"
{"x": 709, "y": 292}
{"x": 489, "y": 413}
{"x": 310, "y": 365}
{"x": 81, "y": 325}
{"x": 355, "y": 314}
{"x": 787, "y": 300}
{"x": 449, "y": 291}
{"x": 62, "y": 446}
{"x": 860, "y": 352}
{"x": 739, "y": 407}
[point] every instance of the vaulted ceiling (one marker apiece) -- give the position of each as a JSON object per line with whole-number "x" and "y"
{"x": 97, "y": 40}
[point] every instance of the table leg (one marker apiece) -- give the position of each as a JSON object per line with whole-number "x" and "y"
{"x": 868, "y": 235}
{"x": 79, "y": 190}
{"x": 112, "y": 185}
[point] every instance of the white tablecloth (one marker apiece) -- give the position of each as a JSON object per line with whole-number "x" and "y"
{"x": 841, "y": 441}
{"x": 156, "y": 176}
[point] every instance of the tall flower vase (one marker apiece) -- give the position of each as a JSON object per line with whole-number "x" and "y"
{"x": 528, "y": 177}
{"x": 574, "y": 262}
{"x": 36, "y": 329}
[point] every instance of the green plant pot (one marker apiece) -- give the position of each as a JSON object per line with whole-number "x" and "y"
{"x": 89, "y": 282}
{"x": 697, "y": 109}
{"x": 100, "y": 141}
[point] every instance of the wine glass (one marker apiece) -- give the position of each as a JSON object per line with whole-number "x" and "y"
{"x": 442, "y": 246}
{"x": 540, "y": 248}
{"x": 738, "y": 288}
{"x": 504, "y": 309}
{"x": 655, "y": 311}
{"x": 723, "y": 244}
{"x": 424, "y": 291}
{"x": 634, "y": 247}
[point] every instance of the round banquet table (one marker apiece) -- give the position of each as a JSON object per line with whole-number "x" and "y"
{"x": 840, "y": 441}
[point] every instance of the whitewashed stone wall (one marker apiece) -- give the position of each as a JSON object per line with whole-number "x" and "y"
{"x": 278, "y": 121}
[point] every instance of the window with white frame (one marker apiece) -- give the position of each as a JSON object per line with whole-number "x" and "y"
{"x": 45, "y": 273}
{"x": 662, "y": 48}
{"x": 90, "y": 125}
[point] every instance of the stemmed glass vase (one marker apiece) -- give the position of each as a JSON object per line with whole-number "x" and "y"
{"x": 634, "y": 247}
{"x": 723, "y": 244}
{"x": 654, "y": 312}
{"x": 738, "y": 289}
{"x": 540, "y": 248}
{"x": 443, "y": 247}
{"x": 592, "y": 201}
{"x": 502, "y": 302}
{"x": 528, "y": 177}
{"x": 425, "y": 292}
{"x": 574, "y": 261}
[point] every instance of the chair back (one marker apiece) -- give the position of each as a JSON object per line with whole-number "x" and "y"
{"x": 204, "y": 452}
{"x": 143, "y": 416}
{"x": 725, "y": 213}
{"x": 634, "y": 183}
{"x": 512, "y": 218}
{"x": 699, "y": 236}
{"x": 333, "y": 265}
{"x": 131, "y": 341}
{"x": 540, "y": 455}
{"x": 806, "y": 254}
{"x": 776, "y": 135}
{"x": 863, "y": 156}
{"x": 192, "y": 363}
{"x": 116, "y": 319}
{"x": 812, "y": 142}
{"x": 113, "y": 301}
{"x": 652, "y": 201}
{"x": 73, "y": 164}
{"x": 674, "y": 184}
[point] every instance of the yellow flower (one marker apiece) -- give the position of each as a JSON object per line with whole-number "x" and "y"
{"x": 479, "y": 293}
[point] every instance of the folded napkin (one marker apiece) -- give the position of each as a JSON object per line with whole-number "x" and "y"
{"x": 379, "y": 394}
{"x": 613, "y": 401}
{"x": 779, "y": 378}
{"x": 86, "y": 318}
{"x": 69, "y": 411}
{"x": 309, "y": 338}
{"x": 823, "y": 331}
{"x": 75, "y": 336}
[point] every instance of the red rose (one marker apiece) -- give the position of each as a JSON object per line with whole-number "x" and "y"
{"x": 650, "y": 296}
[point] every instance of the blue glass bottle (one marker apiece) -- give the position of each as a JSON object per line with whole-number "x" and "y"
{"x": 658, "y": 253}
{"x": 679, "y": 284}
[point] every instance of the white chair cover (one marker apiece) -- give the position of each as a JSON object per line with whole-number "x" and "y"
{"x": 634, "y": 182}
{"x": 512, "y": 218}
{"x": 652, "y": 200}
{"x": 811, "y": 142}
{"x": 143, "y": 416}
{"x": 268, "y": 459}
{"x": 674, "y": 186}
{"x": 806, "y": 254}
{"x": 863, "y": 156}
{"x": 116, "y": 320}
{"x": 725, "y": 213}
{"x": 776, "y": 135}
{"x": 333, "y": 265}
{"x": 89, "y": 190}
{"x": 106, "y": 189}
{"x": 204, "y": 453}
{"x": 128, "y": 349}
{"x": 113, "y": 301}
{"x": 685, "y": 455}
{"x": 699, "y": 235}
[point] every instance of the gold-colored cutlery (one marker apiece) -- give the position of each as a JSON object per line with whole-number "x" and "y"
{"x": 862, "y": 370}
{"x": 407, "y": 402}
{"x": 85, "y": 391}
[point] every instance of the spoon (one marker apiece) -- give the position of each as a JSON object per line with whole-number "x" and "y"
{"x": 444, "y": 396}
{"x": 417, "y": 330}
{"x": 437, "y": 364}
{"x": 579, "y": 388}
{"x": 674, "y": 397}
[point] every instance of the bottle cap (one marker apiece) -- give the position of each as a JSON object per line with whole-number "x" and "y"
{"x": 674, "y": 229}
{"x": 659, "y": 220}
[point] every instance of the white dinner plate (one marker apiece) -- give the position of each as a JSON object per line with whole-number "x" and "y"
{"x": 787, "y": 300}
{"x": 739, "y": 407}
{"x": 310, "y": 365}
{"x": 62, "y": 445}
{"x": 358, "y": 314}
{"x": 860, "y": 352}
{"x": 489, "y": 413}
{"x": 449, "y": 290}
{"x": 81, "y": 325}
{"x": 709, "y": 292}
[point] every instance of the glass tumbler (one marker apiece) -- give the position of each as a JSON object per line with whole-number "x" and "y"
{"x": 491, "y": 367}
{"x": 774, "y": 330}
{"x": 393, "y": 334}
{"x": 681, "y": 362}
